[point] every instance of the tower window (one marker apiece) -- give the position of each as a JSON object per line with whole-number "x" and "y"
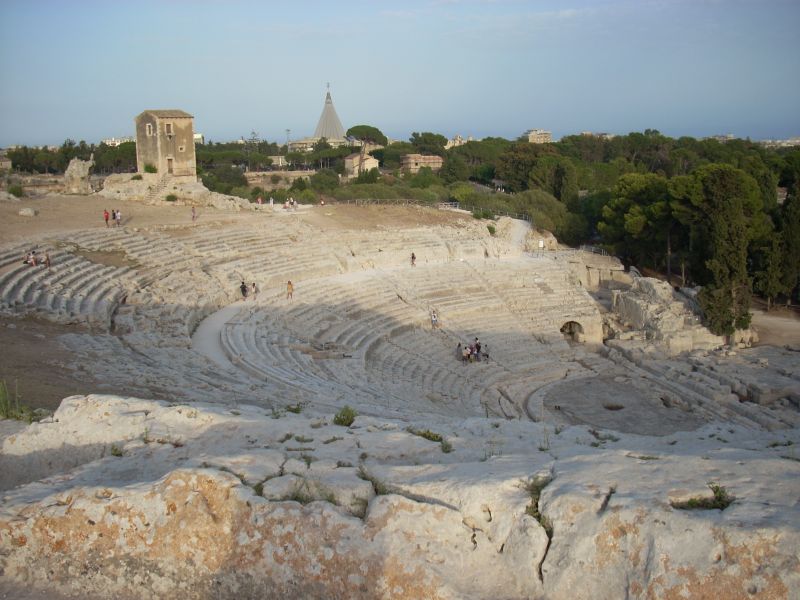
{"x": 168, "y": 128}
{"x": 149, "y": 129}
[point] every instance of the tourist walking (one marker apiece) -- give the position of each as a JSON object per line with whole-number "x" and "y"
{"x": 289, "y": 290}
{"x": 194, "y": 214}
{"x": 413, "y": 260}
{"x": 105, "y": 216}
{"x": 243, "y": 289}
{"x": 119, "y": 218}
{"x": 47, "y": 260}
{"x": 254, "y": 291}
{"x": 434, "y": 319}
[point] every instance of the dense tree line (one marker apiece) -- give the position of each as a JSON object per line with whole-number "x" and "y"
{"x": 107, "y": 159}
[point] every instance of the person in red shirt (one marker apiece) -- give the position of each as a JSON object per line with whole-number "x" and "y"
{"x": 106, "y": 216}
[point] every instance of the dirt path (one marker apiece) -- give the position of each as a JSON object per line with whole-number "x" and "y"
{"x": 779, "y": 327}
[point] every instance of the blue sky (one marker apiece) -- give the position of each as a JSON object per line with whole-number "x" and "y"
{"x": 84, "y": 69}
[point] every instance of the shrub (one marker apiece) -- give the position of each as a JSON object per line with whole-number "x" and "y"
{"x": 171, "y": 198}
{"x": 299, "y": 184}
{"x": 306, "y": 197}
{"x": 136, "y": 177}
{"x": 16, "y": 190}
{"x": 324, "y": 180}
{"x": 148, "y": 168}
{"x": 242, "y": 191}
{"x": 11, "y": 408}
{"x": 721, "y": 500}
{"x": 275, "y": 179}
{"x": 534, "y": 487}
{"x": 345, "y": 416}
{"x": 492, "y": 229}
{"x": 427, "y": 434}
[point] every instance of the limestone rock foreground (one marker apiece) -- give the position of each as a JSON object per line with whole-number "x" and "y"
{"x": 121, "y": 496}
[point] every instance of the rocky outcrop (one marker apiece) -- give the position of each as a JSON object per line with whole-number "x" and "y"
{"x": 153, "y": 188}
{"x": 119, "y": 496}
{"x": 6, "y": 197}
{"x": 76, "y": 177}
{"x": 651, "y": 309}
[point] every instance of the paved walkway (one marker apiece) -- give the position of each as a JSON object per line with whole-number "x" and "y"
{"x": 206, "y": 339}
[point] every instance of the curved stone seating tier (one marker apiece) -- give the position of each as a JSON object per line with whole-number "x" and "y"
{"x": 74, "y": 289}
{"x": 358, "y": 330}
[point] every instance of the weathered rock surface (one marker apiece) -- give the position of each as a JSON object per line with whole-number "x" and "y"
{"x": 76, "y": 177}
{"x": 6, "y": 197}
{"x": 153, "y": 188}
{"x": 125, "y": 496}
{"x": 28, "y": 212}
{"x": 651, "y": 309}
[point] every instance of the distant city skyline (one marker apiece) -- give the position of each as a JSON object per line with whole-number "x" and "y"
{"x": 83, "y": 70}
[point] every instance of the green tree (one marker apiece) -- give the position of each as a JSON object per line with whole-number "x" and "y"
{"x": 768, "y": 279}
{"x": 556, "y": 175}
{"x": 727, "y": 205}
{"x": 637, "y": 219}
{"x": 390, "y": 156}
{"x": 454, "y": 169}
{"x": 224, "y": 179}
{"x": 324, "y": 180}
{"x": 366, "y": 177}
{"x": 790, "y": 236}
{"x": 423, "y": 178}
{"x": 514, "y": 166}
{"x": 367, "y": 133}
{"x": 299, "y": 185}
{"x": 428, "y": 143}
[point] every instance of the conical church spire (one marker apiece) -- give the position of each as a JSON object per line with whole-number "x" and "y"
{"x": 329, "y": 125}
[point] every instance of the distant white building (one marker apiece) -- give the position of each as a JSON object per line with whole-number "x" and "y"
{"x": 457, "y": 141}
{"x": 788, "y": 143}
{"x": 113, "y": 142}
{"x": 601, "y": 134}
{"x": 199, "y": 138}
{"x": 539, "y": 136}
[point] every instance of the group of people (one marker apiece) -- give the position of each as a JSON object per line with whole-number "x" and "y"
{"x": 290, "y": 203}
{"x": 115, "y": 216}
{"x": 260, "y": 201}
{"x": 33, "y": 259}
{"x": 252, "y": 290}
{"x": 473, "y": 352}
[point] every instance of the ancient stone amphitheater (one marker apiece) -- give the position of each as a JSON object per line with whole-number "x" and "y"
{"x": 591, "y": 455}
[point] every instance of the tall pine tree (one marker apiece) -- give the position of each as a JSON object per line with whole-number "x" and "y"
{"x": 729, "y": 213}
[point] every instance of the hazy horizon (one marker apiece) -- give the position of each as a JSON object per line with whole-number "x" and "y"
{"x": 471, "y": 67}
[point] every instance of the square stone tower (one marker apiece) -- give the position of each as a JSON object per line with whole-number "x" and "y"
{"x": 165, "y": 140}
